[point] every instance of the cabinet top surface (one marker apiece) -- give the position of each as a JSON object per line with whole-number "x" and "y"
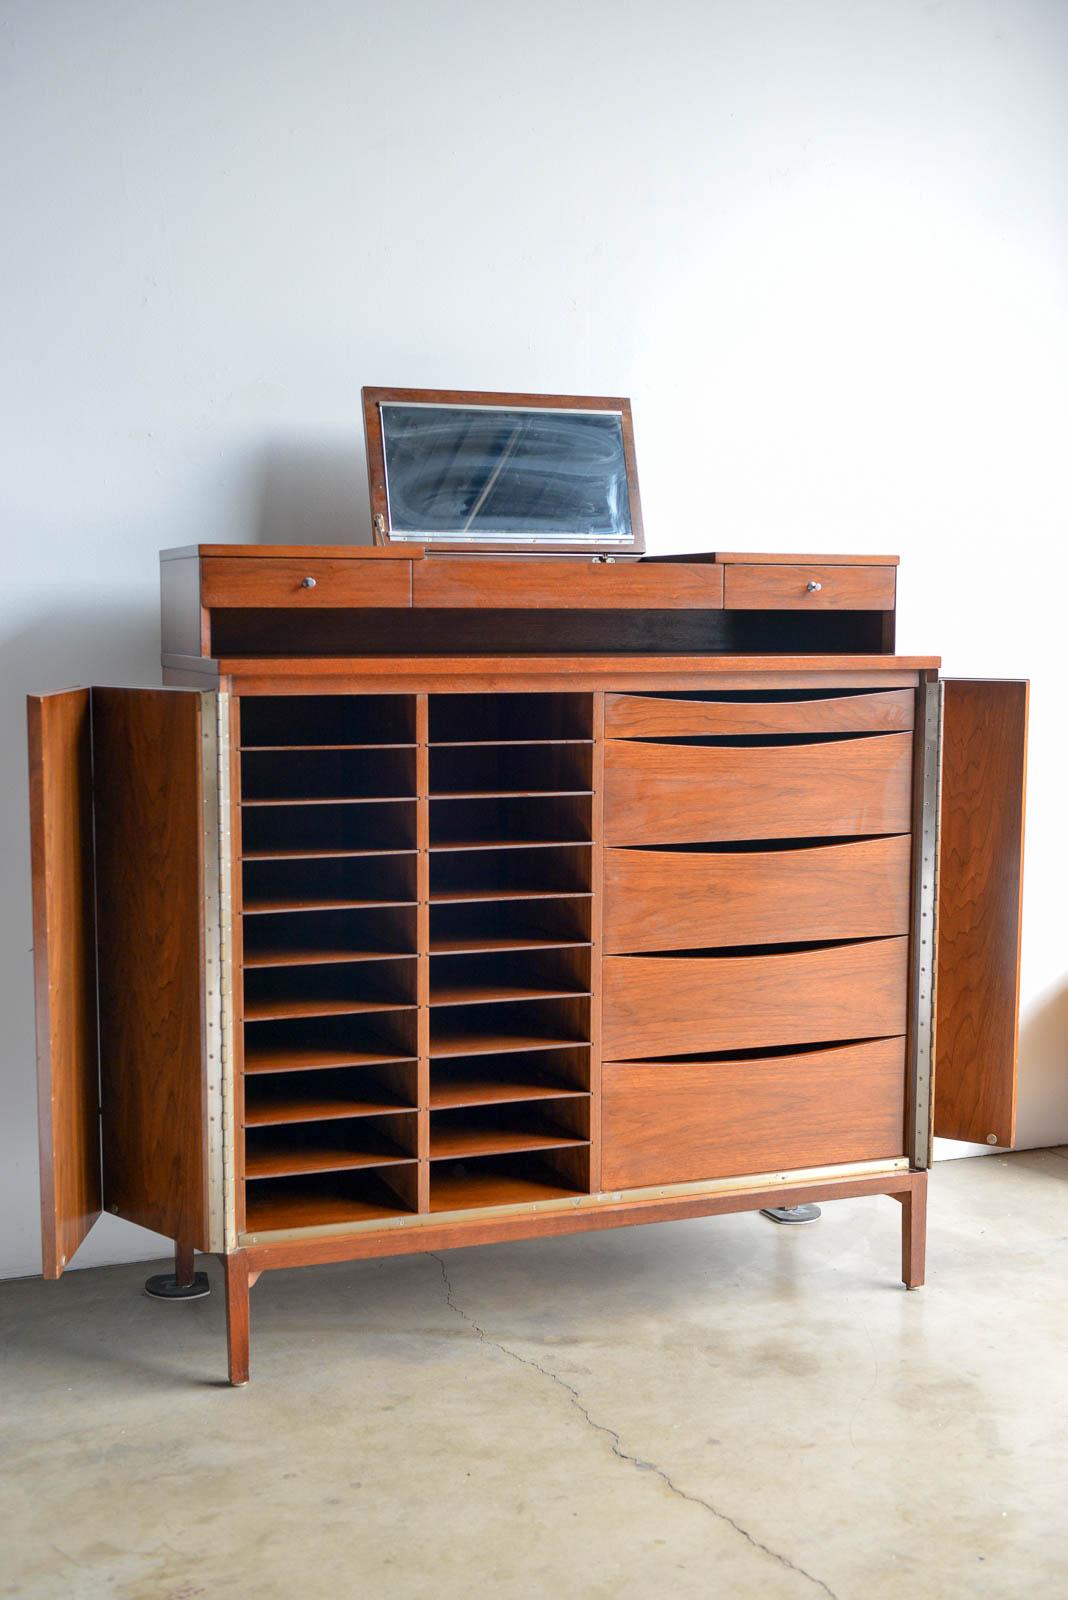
{"x": 352, "y": 552}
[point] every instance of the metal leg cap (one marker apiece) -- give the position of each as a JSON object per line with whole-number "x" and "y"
{"x": 165, "y": 1286}
{"x": 792, "y": 1214}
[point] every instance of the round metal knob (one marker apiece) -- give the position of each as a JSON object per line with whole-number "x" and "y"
{"x": 308, "y": 583}
{"x": 813, "y": 587}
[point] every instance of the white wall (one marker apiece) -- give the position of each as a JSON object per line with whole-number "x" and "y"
{"x": 822, "y": 243}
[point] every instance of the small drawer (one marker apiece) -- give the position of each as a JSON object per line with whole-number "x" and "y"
{"x": 673, "y": 1005}
{"x": 691, "y": 900}
{"x": 681, "y": 1121}
{"x": 276, "y": 581}
{"x": 796, "y": 588}
{"x": 642, "y": 716}
{"x": 576, "y": 584}
{"x": 679, "y": 794}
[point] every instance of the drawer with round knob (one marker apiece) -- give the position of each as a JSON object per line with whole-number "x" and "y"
{"x": 813, "y": 588}
{"x": 237, "y": 581}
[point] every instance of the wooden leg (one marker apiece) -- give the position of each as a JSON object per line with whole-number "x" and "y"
{"x": 183, "y": 1264}
{"x": 235, "y": 1271}
{"x": 914, "y": 1231}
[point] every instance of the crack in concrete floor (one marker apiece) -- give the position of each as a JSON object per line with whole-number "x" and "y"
{"x": 616, "y": 1442}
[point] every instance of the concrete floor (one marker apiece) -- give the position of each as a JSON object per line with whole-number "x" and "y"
{"x": 716, "y": 1408}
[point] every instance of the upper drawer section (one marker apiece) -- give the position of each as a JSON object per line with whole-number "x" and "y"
{"x": 796, "y": 588}
{"x": 259, "y": 581}
{"x": 543, "y": 582}
{"x": 678, "y": 794}
{"x": 639, "y": 716}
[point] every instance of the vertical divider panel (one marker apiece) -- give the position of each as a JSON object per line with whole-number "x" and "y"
{"x": 422, "y": 825}
{"x": 234, "y": 1134}
{"x": 596, "y": 937}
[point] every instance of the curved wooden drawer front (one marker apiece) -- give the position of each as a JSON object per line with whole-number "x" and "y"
{"x": 680, "y": 1121}
{"x": 673, "y": 794}
{"x": 809, "y": 588}
{"x": 237, "y": 581}
{"x": 639, "y": 716}
{"x": 671, "y": 1005}
{"x": 678, "y": 900}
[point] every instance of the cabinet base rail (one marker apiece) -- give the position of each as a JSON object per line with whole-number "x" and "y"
{"x": 242, "y": 1267}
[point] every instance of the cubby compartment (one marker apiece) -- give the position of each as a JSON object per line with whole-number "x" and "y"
{"x": 313, "y": 938}
{"x": 510, "y": 1180}
{"x": 465, "y": 771}
{"x": 466, "y": 1030}
{"x": 367, "y": 1141}
{"x": 305, "y": 1044}
{"x": 509, "y": 718}
{"x": 498, "y": 1080}
{"x": 484, "y": 876}
{"x": 329, "y": 1199}
{"x": 280, "y": 777}
{"x": 270, "y": 887}
{"x": 509, "y": 1129}
{"x": 374, "y": 985}
{"x": 325, "y": 720}
{"x": 522, "y": 924}
{"x": 457, "y": 980}
{"x": 292, "y": 832}
{"x": 320, "y": 1095}
{"x": 525, "y": 821}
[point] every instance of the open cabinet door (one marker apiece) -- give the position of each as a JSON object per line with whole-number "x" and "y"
{"x": 977, "y": 1005}
{"x": 64, "y": 954}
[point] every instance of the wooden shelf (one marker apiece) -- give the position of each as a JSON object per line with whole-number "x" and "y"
{"x": 324, "y": 855}
{"x": 487, "y": 944}
{"x": 295, "y": 748}
{"x": 270, "y": 1010}
{"x": 446, "y": 897}
{"x": 468, "y": 1044}
{"x": 493, "y": 993}
{"x": 329, "y": 800}
{"x": 292, "y": 1107}
{"x": 469, "y": 1089}
{"x": 487, "y": 1186}
{"x": 313, "y": 958}
{"x": 311, "y": 1057}
{"x": 264, "y": 906}
{"x": 489, "y": 744}
{"x": 506, "y": 844}
{"x": 291, "y": 1161}
{"x": 293, "y": 1203}
{"x": 504, "y": 794}
{"x": 462, "y": 1142}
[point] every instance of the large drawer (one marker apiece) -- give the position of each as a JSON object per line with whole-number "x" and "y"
{"x": 680, "y": 1121}
{"x": 548, "y": 583}
{"x": 643, "y": 716}
{"x": 227, "y": 581}
{"x": 672, "y": 1005}
{"x": 809, "y": 588}
{"x": 668, "y": 794}
{"x": 693, "y": 899}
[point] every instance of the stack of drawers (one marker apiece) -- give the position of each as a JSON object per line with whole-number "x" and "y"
{"x": 757, "y": 875}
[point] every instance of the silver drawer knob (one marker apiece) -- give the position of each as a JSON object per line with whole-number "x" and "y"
{"x": 813, "y": 587}
{"x": 308, "y": 583}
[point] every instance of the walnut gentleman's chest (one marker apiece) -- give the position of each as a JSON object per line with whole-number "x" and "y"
{"x": 442, "y": 899}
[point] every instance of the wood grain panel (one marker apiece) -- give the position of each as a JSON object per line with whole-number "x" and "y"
{"x": 480, "y": 581}
{"x": 980, "y": 884}
{"x": 646, "y": 716}
{"x": 64, "y": 964}
{"x": 669, "y": 794}
{"x": 146, "y": 756}
{"x": 678, "y": 1122}
{"x": 786, "y": 588}
{"x": 668, "y": 1005}
{"x": 677, "y": 900}
{"x": 240, "y": 581}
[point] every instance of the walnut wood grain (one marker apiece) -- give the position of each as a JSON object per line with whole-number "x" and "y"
{"x": 677, "y": 1122}
{"x": 676, "y": 900}
{"x": 240, "y": 581}
{"x": 667, "y": 794}
{"x": 475, "y": 582}
{"x": 64, "y": 963}
{"x": 786, "y": 588}
{"x": 146, "y": 755}
{"x": 980, "y": 885}
{"x": 629, "y": 716}
{"x": 667, "y": 1005}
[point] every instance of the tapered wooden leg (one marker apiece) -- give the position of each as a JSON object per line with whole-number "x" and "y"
{"x": 183, "y": 1264}
{"x": 914, "y": 1231}
{"x": 235, "y": 1271}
